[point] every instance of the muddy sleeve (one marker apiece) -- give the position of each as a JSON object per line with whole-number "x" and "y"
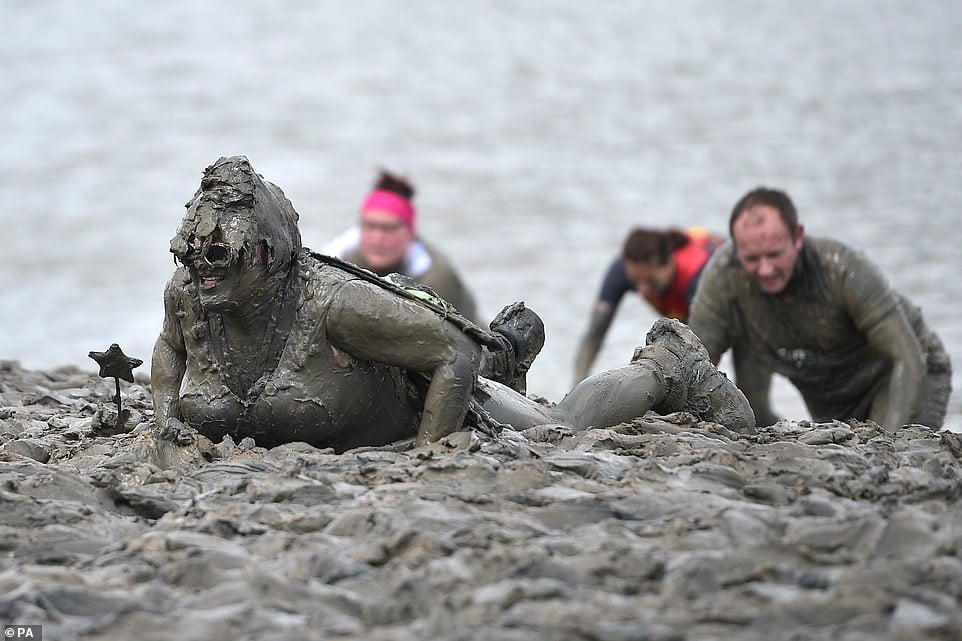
{"x": 711, "y": 310}
{"x": 168, "y": 362}
{"x": 374, "y": 324}
{"x": 893, "y": 407}
{"x": 876, "y": 311}
{"x": 865, "y": 291}
{"x": 754, "y": 379}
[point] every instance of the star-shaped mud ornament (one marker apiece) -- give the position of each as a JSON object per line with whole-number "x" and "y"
{"x": 115, "y": 363}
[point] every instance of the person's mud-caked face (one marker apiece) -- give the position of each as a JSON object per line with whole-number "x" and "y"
{"x": 226, "y": 275}
{"x": 238, "y": 237}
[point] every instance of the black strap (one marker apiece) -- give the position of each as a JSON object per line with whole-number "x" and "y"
{"x": 409, "y": 290}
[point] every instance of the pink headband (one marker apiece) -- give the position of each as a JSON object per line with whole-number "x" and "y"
{"x": 388, "y": 201}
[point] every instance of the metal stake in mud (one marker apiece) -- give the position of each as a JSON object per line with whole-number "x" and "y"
{"x": 115, "y": 363}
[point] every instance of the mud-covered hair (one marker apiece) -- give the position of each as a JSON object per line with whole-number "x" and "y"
{"x": 770, "y": 197}
{"x": 655, "y": 246}
{"x": 236, "y": 207}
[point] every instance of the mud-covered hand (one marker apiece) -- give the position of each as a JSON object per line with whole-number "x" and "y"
{"x": 178, "y": 432}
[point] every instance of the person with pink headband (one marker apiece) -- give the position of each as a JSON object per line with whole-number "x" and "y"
{"x": 385, "y": 241}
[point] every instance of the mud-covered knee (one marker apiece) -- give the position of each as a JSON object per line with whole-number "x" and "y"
{"x": 665, "y": 366}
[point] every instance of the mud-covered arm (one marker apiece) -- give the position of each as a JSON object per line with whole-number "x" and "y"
{"x": 755, "y": 381}
{"x": 710, "y": 315}
{"x": 590, "y": 345}
{"x": 168, "y": 363}
{"x": 877, "y": 310}
{"x": 894, "y": 407}
{"x": 376, "y": 325}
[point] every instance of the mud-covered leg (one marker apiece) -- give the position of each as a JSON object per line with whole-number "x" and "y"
{"x": 510, "y": 408}
{"x": 694, "y": 384}
{"x": 523, "y": 333}
{"x": 615, "y": 396}
{"x": 671, "y": 373}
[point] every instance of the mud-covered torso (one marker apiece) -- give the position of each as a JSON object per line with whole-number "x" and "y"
{"x": 316, "y": 393}
{"x": 814, "y": 333}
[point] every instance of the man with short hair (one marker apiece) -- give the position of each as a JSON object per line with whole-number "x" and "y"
{"x": 822, "y": 315}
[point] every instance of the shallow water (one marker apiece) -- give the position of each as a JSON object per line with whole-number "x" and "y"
{"x": 537, "y": 136}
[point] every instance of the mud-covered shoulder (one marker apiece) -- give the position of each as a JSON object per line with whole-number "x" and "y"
{"x": 722, "y": 277}
{"x": 321, "y": 276}
{"x": 855, "y": 280}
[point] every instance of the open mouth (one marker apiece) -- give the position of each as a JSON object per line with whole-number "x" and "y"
{"x": 209, "y": 280}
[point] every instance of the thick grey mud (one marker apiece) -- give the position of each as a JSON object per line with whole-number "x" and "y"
{"x": 662, "y": 528}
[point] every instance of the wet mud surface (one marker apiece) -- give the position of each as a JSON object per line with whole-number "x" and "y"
{"x": 664, "y": 528}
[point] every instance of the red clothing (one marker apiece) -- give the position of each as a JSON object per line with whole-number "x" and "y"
{"x": 689, "y": 260}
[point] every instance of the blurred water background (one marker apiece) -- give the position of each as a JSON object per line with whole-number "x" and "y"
{"x": 537, "y": 134}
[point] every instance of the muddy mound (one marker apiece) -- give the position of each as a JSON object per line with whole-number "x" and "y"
{"x": 664, "y": 528}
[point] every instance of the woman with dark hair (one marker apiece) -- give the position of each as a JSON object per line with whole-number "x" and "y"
{"x": 263, "y": 338}
{"x": 385, "y": 241}
{"x": 661, "y": 266}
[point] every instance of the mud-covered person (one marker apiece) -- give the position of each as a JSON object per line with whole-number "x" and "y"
{"x": 385, "y": 241}
{"x": 660, "y": 265}
{"x": 263, "y": 338}
{"x": 821, "y": 314}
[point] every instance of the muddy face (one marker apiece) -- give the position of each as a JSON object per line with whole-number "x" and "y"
{"x": 226, "y": 276}
{"x": 236, "y": 247}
